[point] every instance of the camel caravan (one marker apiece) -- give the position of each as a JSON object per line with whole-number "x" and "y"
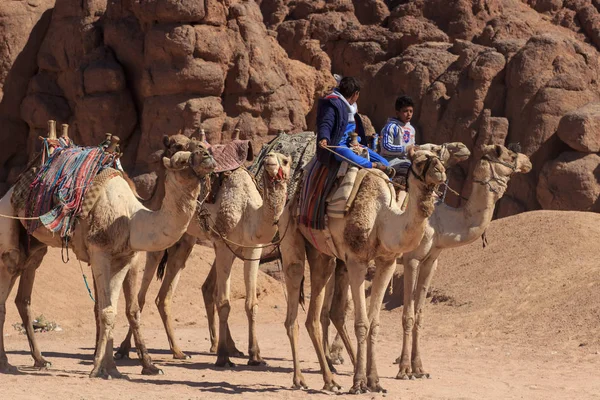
{"x": 286, "y": 197}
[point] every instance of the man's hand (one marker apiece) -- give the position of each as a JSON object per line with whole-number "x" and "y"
{"x": 323, "y": 142}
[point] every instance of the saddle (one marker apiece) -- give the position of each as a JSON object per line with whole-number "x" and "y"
{"x": 232, "y": 155}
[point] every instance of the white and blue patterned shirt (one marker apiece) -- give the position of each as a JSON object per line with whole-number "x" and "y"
{"x": 396, "y": 136}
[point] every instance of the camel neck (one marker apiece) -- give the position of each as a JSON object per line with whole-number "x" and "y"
{"x": 274, "y": 196}
{"x": 475, "y": 216}
{"x": 155, "y": 200}
{"x": 157, "y": 230}
{"x": 407, "y": 227}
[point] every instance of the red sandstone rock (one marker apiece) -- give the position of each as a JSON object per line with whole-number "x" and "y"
{"x": 148, "y": 68}
{"x": 580, "y": 129}
{"x": 571, "y": 182}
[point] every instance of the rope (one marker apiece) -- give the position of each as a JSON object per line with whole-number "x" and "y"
{"x": 228, "y": 242}
{"x": 86, "y": 282}
{"x": 19, "y": 218}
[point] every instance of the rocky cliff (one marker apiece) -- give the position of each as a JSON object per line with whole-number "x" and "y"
{"x": 143, "y": 68}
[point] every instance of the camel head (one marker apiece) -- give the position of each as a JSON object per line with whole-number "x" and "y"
{"x": 175, "y": 143}
{"x": 195, "y": 160}
{"x": 497, "y": 164}
{"x": 449, "y": 153}
{"x": 277, "y": 166}
{"x": 427, "y": 167}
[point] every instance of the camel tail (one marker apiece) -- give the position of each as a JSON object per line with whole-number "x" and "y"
{"x": 160, "y": 272}
{"x": 301, "y": 299}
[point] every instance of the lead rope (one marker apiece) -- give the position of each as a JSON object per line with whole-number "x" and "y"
{"x": 86, "y": 282}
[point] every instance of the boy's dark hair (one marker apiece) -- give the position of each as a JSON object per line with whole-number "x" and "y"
{"x": 404, "y": 101}
{"x": 348, "y": 86}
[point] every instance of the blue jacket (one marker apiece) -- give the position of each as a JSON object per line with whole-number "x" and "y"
{"x": 332, "y": 118}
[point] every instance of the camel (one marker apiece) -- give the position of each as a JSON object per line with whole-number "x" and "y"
{"x": 241, "y": 216}
{"x": 111, "y": 238}
{"x": 337, "y": 296}
{"x": 447, "y": 228}
{"x": 374, "y": 228}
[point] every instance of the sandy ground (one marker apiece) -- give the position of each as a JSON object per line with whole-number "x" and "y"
{"x": 522, "y": 321}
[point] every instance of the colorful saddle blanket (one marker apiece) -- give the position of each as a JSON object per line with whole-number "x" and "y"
{"x": 232, "y": 155}
{"x": 57, "y": 190}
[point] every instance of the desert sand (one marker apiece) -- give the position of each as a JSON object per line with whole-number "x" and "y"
{"x": 519, "y": 319}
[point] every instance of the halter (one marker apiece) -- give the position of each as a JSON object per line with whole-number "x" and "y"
{"x": 425, "y": 171}
{"x": 502, "y": 182}
{"x": 279, "y": 177}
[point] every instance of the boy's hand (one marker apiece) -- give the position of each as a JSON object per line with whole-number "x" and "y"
{"x": 323, "y": 142}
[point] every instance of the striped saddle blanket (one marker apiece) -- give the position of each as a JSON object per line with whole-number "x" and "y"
{"x": 327, "y": 192}
{"x": 56, "y": 192}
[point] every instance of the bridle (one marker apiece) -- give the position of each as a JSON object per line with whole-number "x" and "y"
{"x": 501, "y": 181}
{"x": 425, "y": 171}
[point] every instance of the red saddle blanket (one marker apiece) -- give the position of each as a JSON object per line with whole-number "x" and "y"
{"x": 232, "y": 155}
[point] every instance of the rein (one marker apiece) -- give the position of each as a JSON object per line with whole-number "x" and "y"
{"x": 229, "y": 243}
{"x": 502, "y": 182}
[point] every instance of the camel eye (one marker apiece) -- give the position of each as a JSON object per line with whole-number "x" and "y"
{"x": 285, "y": 162}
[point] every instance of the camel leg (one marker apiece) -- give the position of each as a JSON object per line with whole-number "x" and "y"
{"x": 224, "y": 261}
{"x": 293, "y": 253}
{"x": 133, "y": 311}
{"x": 325, "y": 320}
{"x": 109, "y": 281}
{"x": 411, "y": 267}
{"x": 321, "y": 270}
{"x": 356, "y": 273}
{"x": 426, "y": 273}
{"x": 209, "y": 294}
{"x": 383, "y": 274}
{"x": 340, "y": 307}
{"x": 178, "y": 256}
{"x": 23, "y": 301}
{"x": 152, "y": 261}
{"x": 7, "y": 281}
{"x": 250, "y": 276}
{"x": 10, "y": 258}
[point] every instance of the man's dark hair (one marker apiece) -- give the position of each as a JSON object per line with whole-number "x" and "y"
{"x": 348, "y": 86}
{"x": 404, "y": 101}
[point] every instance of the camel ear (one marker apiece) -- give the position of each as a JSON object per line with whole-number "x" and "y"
{"x": 499, "y": 150}
{"x": 166, "y": 141}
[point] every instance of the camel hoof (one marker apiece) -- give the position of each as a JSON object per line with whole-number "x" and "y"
{"x": 181, "y": 356}
{"x": 236, "y": 353}
{"x": 122, "y": 354}
{"x": 224, "y": 363}
{"x": 332, "y": 387}
{"x": 99, "y": 373}
{"x": 42, "y": 364}
{"x": 213, "y": 349}
{"x": 6, "y": 368}
{"x": 337, "y": 360}
{"x": 115, "y": 374}
{"x": 152, "y": 370}
{"x": 404, "y": 373}
{"x": 359, "y": 388}
{"x": 421, "y": 375}
{"x": 398, "y": 360}
{"x": 257, "y": 363}
{"x": 402, "y": 376}
{"x": 375, "y": 387}
{"x": 299, "y": 383}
